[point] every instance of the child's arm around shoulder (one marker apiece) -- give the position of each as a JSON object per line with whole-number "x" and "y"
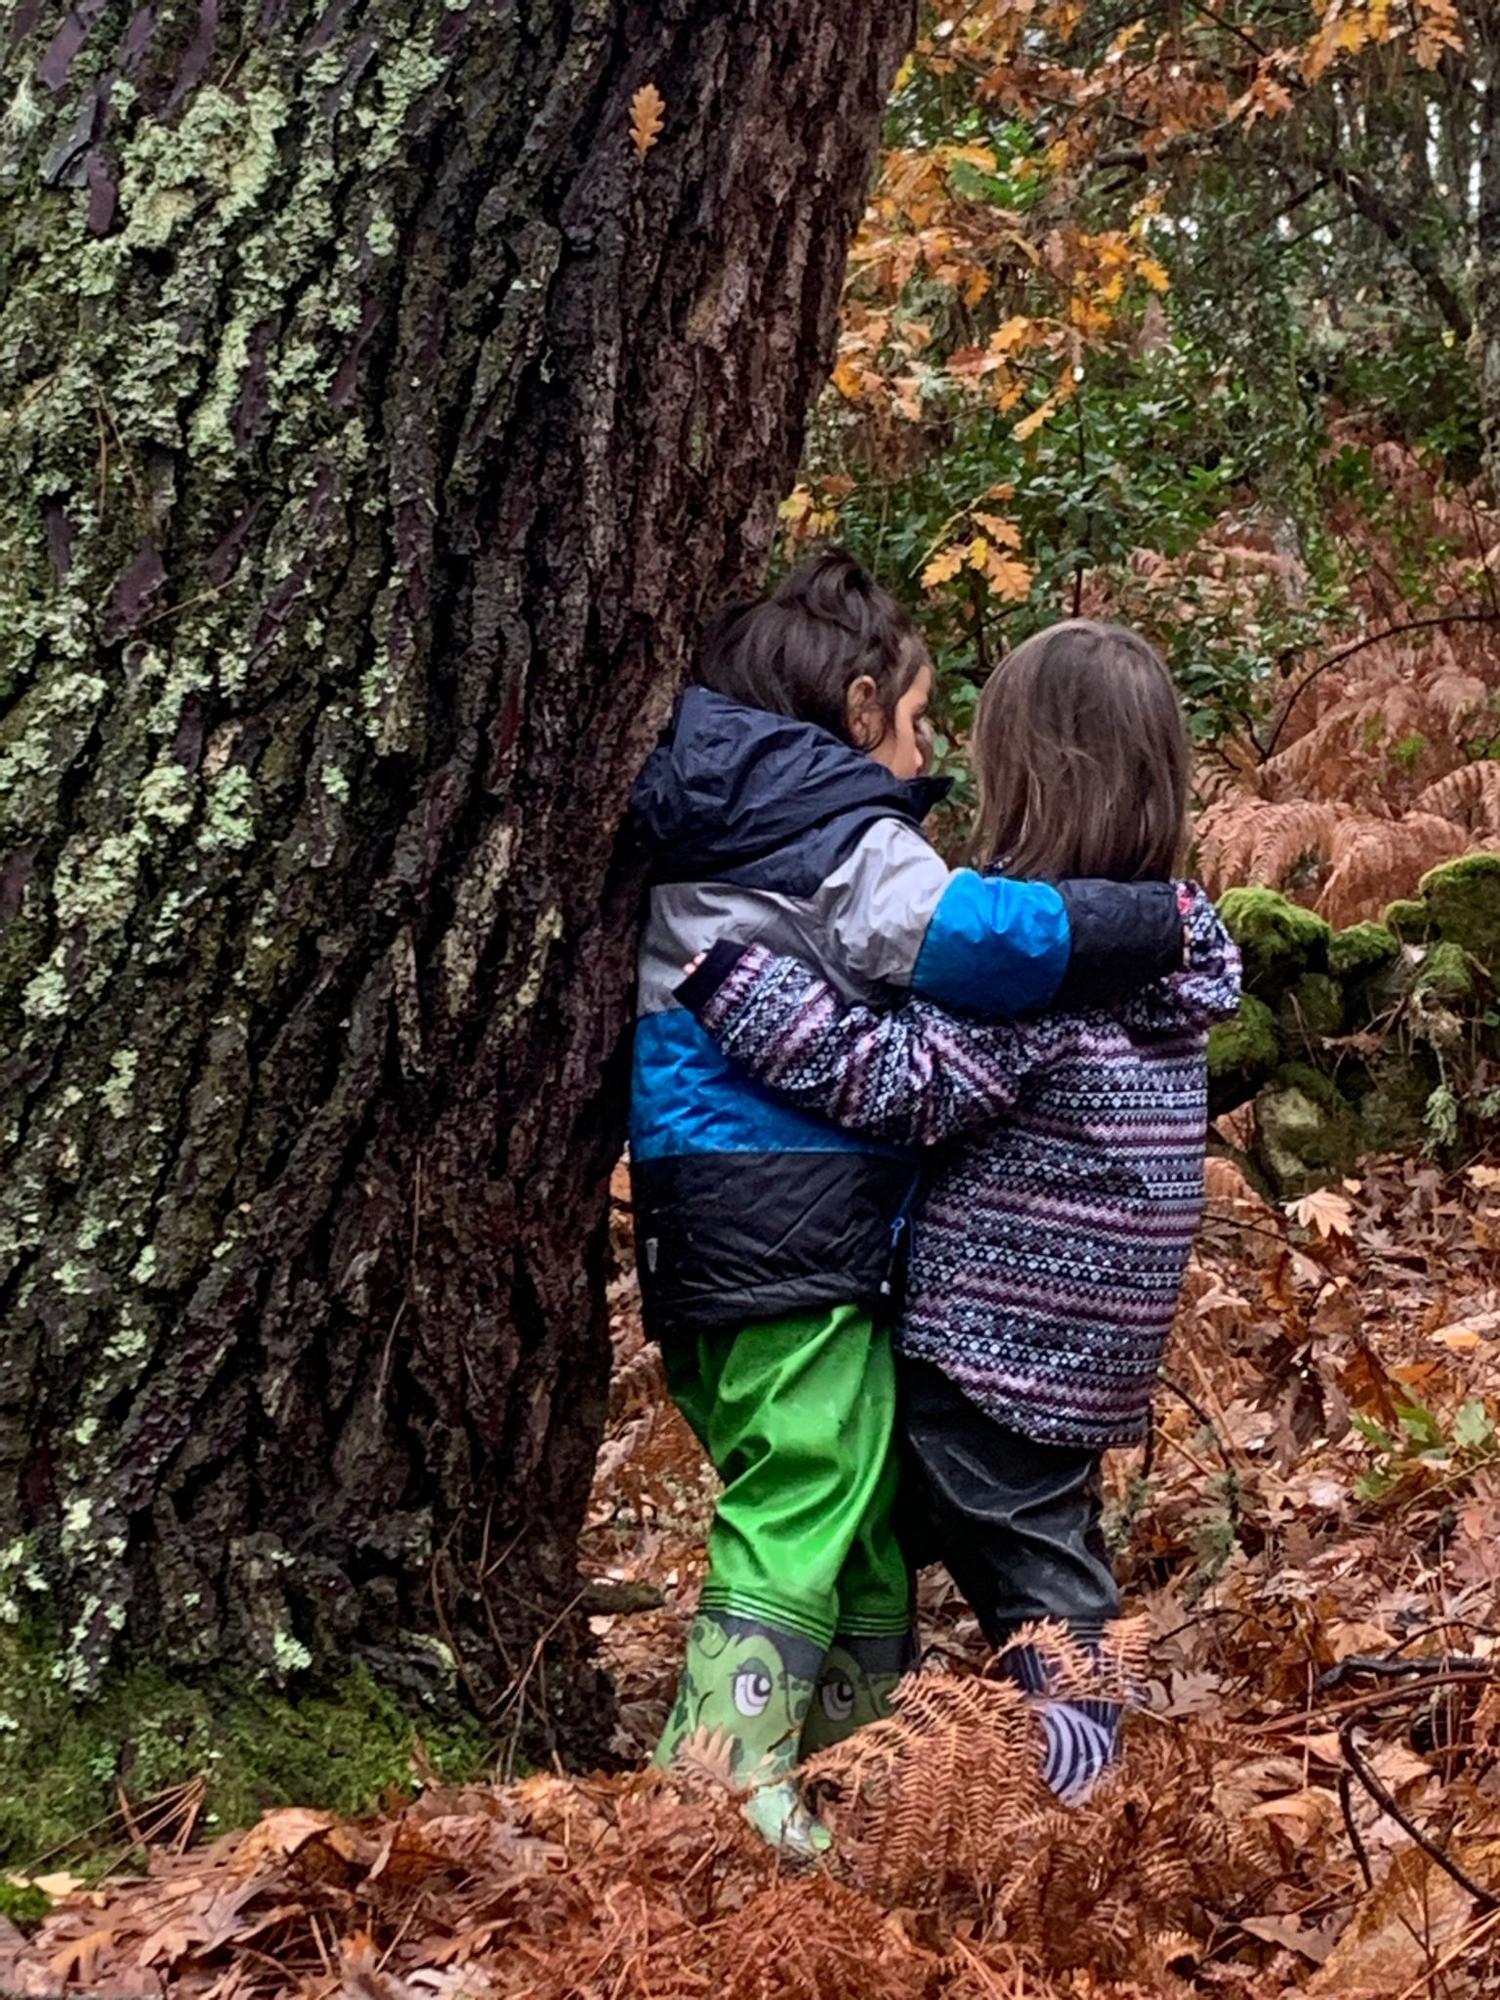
{"x": 913, "y": 1074}
{"x": 897, "y": 915}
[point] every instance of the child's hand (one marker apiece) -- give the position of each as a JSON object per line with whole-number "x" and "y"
{"x": 692, "y": 965}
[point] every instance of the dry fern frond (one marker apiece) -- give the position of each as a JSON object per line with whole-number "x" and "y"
{"x": 1470, "y": 795}
{"x": 1373, "y": 861}
{"x": 935, "y": 1792}
{"x": 1250, "y": 840}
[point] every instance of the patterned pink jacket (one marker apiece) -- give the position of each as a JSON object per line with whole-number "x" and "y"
{"x": 1049, "y": 1246}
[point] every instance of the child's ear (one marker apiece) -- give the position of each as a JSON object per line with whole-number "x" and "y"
{"x": 863, "y": 717}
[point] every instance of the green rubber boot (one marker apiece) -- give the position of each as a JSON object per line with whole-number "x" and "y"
{"x": 745, "y": 1692}
{"x": 855, "y": 1686}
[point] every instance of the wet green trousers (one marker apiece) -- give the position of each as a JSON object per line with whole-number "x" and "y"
{"x": 798, "y": 1417}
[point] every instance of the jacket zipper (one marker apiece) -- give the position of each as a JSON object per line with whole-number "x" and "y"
{"x": 899, "y": 1224}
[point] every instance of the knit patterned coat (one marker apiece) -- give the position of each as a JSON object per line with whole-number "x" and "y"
{"x": 1066, "y": 1181}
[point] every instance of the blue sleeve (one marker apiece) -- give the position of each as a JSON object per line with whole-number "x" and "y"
{"x": 993, "y": 946}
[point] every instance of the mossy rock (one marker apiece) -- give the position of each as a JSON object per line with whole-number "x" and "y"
{"x": 340, "y": 1745}
{"x": 1307, "y": 1132}
{"x": 1242, "y": 1052}
{"x": 1361, "y": 951}
{"x": 1464, "y": 899}
{"x": 1446, "y": 975}
{"x": 1391, "y": 1098}
{"x": 1278, "y": 939}
{"x": 1409, "y": 920}
{"x": 1313, "y": 1006}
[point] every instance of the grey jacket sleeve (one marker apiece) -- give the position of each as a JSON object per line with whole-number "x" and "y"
{"x": 873, "y": 909}
{"x": 897, "y": 918}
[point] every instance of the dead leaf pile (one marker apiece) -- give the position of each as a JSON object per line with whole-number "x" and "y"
{"x": 1310, "y": 1797}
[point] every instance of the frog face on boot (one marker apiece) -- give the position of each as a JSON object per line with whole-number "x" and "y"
{"x": 748, "y": 1682}
{"x": 858, "y": 1678}
{"x": 741, "y": 1681}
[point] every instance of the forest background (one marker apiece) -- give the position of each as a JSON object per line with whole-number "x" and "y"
{"x": 1189, "y": 317}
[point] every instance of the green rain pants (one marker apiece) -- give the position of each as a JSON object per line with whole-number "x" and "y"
{"x": 798, "y": 1417}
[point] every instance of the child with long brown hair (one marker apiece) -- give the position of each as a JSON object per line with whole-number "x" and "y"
{"x": 1049, "y": 1248}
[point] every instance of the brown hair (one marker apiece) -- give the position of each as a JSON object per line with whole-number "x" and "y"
{"x": 800, "y": 650}
{"x": 1082, "y": 758}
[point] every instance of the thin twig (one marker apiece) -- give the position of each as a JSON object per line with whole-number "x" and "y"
{"x": 1346, "y": 1806}
{"x": 1466, "y": 1943}
{"x": 1201, "y": 1414}
{"x": 1485, "y": 1898}
{"x": 1283, "y": 1725}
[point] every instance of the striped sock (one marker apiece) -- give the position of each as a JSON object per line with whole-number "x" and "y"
{"x": 1081, "y": 1735}
{"x": 1080, "y": 1738}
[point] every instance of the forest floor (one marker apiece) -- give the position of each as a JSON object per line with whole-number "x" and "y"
{"x": 1310, "y": 1801}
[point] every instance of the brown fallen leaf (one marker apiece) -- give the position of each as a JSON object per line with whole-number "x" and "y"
{"x": 1293, "y": 1935}
{"x": 79, "y": 1959}
{"x": 647, "y": 112}
{"x": 1462, "y": 1336}
{"x": 278, "y": 1836}
{"x": 1406, "y": 1922}
{"x": 1325, "y": 1212}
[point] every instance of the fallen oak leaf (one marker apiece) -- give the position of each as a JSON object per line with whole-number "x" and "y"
{"x": 78, "y": 1961}
{"x": 648, "y": 111}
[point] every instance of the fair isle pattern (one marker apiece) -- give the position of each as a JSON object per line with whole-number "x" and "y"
{"x": 1049, "y": 1250}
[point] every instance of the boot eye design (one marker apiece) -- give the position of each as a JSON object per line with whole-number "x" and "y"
{"x": 838, "y": 1699}
{"x": 753, "y": 1688}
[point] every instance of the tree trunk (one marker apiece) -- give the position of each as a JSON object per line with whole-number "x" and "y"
{"x": 1483, "y": 65}
{"x": 380, "y": 425}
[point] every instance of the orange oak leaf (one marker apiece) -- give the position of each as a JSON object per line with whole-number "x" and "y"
{"x": 647, "y": 111}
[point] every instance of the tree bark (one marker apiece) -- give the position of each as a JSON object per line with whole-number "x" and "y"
{"x": 380, "y": 425}
{"x": 1483, "y": 61}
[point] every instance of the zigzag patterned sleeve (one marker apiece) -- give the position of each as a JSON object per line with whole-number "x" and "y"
{"x": 913, "y": 1075}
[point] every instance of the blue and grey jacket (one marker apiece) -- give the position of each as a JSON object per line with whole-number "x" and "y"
{"x": 767, "y": 830}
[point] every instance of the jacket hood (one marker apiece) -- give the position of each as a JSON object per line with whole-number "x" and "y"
{"x": 1208, "y": 987}
{"x": 729, "y": 783}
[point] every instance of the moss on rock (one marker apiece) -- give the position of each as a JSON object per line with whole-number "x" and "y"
{"x": 339, "y": 1745}
{"x": 1392, "y": 1099}
{"x": 1409, "y": 919}
{"x": 1242, "y": 1052}
{"x": 1464, "y": 899}
{"x": 1312, "y": 1006}
{"x": 1362, "y": 950}
{"x": 22, "y": 1905}
{"x": 1446, "y": 975}
{"x": 1309, "y": 1133}
{"x": 1278, "y": 939}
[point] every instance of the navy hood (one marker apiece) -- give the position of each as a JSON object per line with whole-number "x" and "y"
{"x": 729, "y": 784}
